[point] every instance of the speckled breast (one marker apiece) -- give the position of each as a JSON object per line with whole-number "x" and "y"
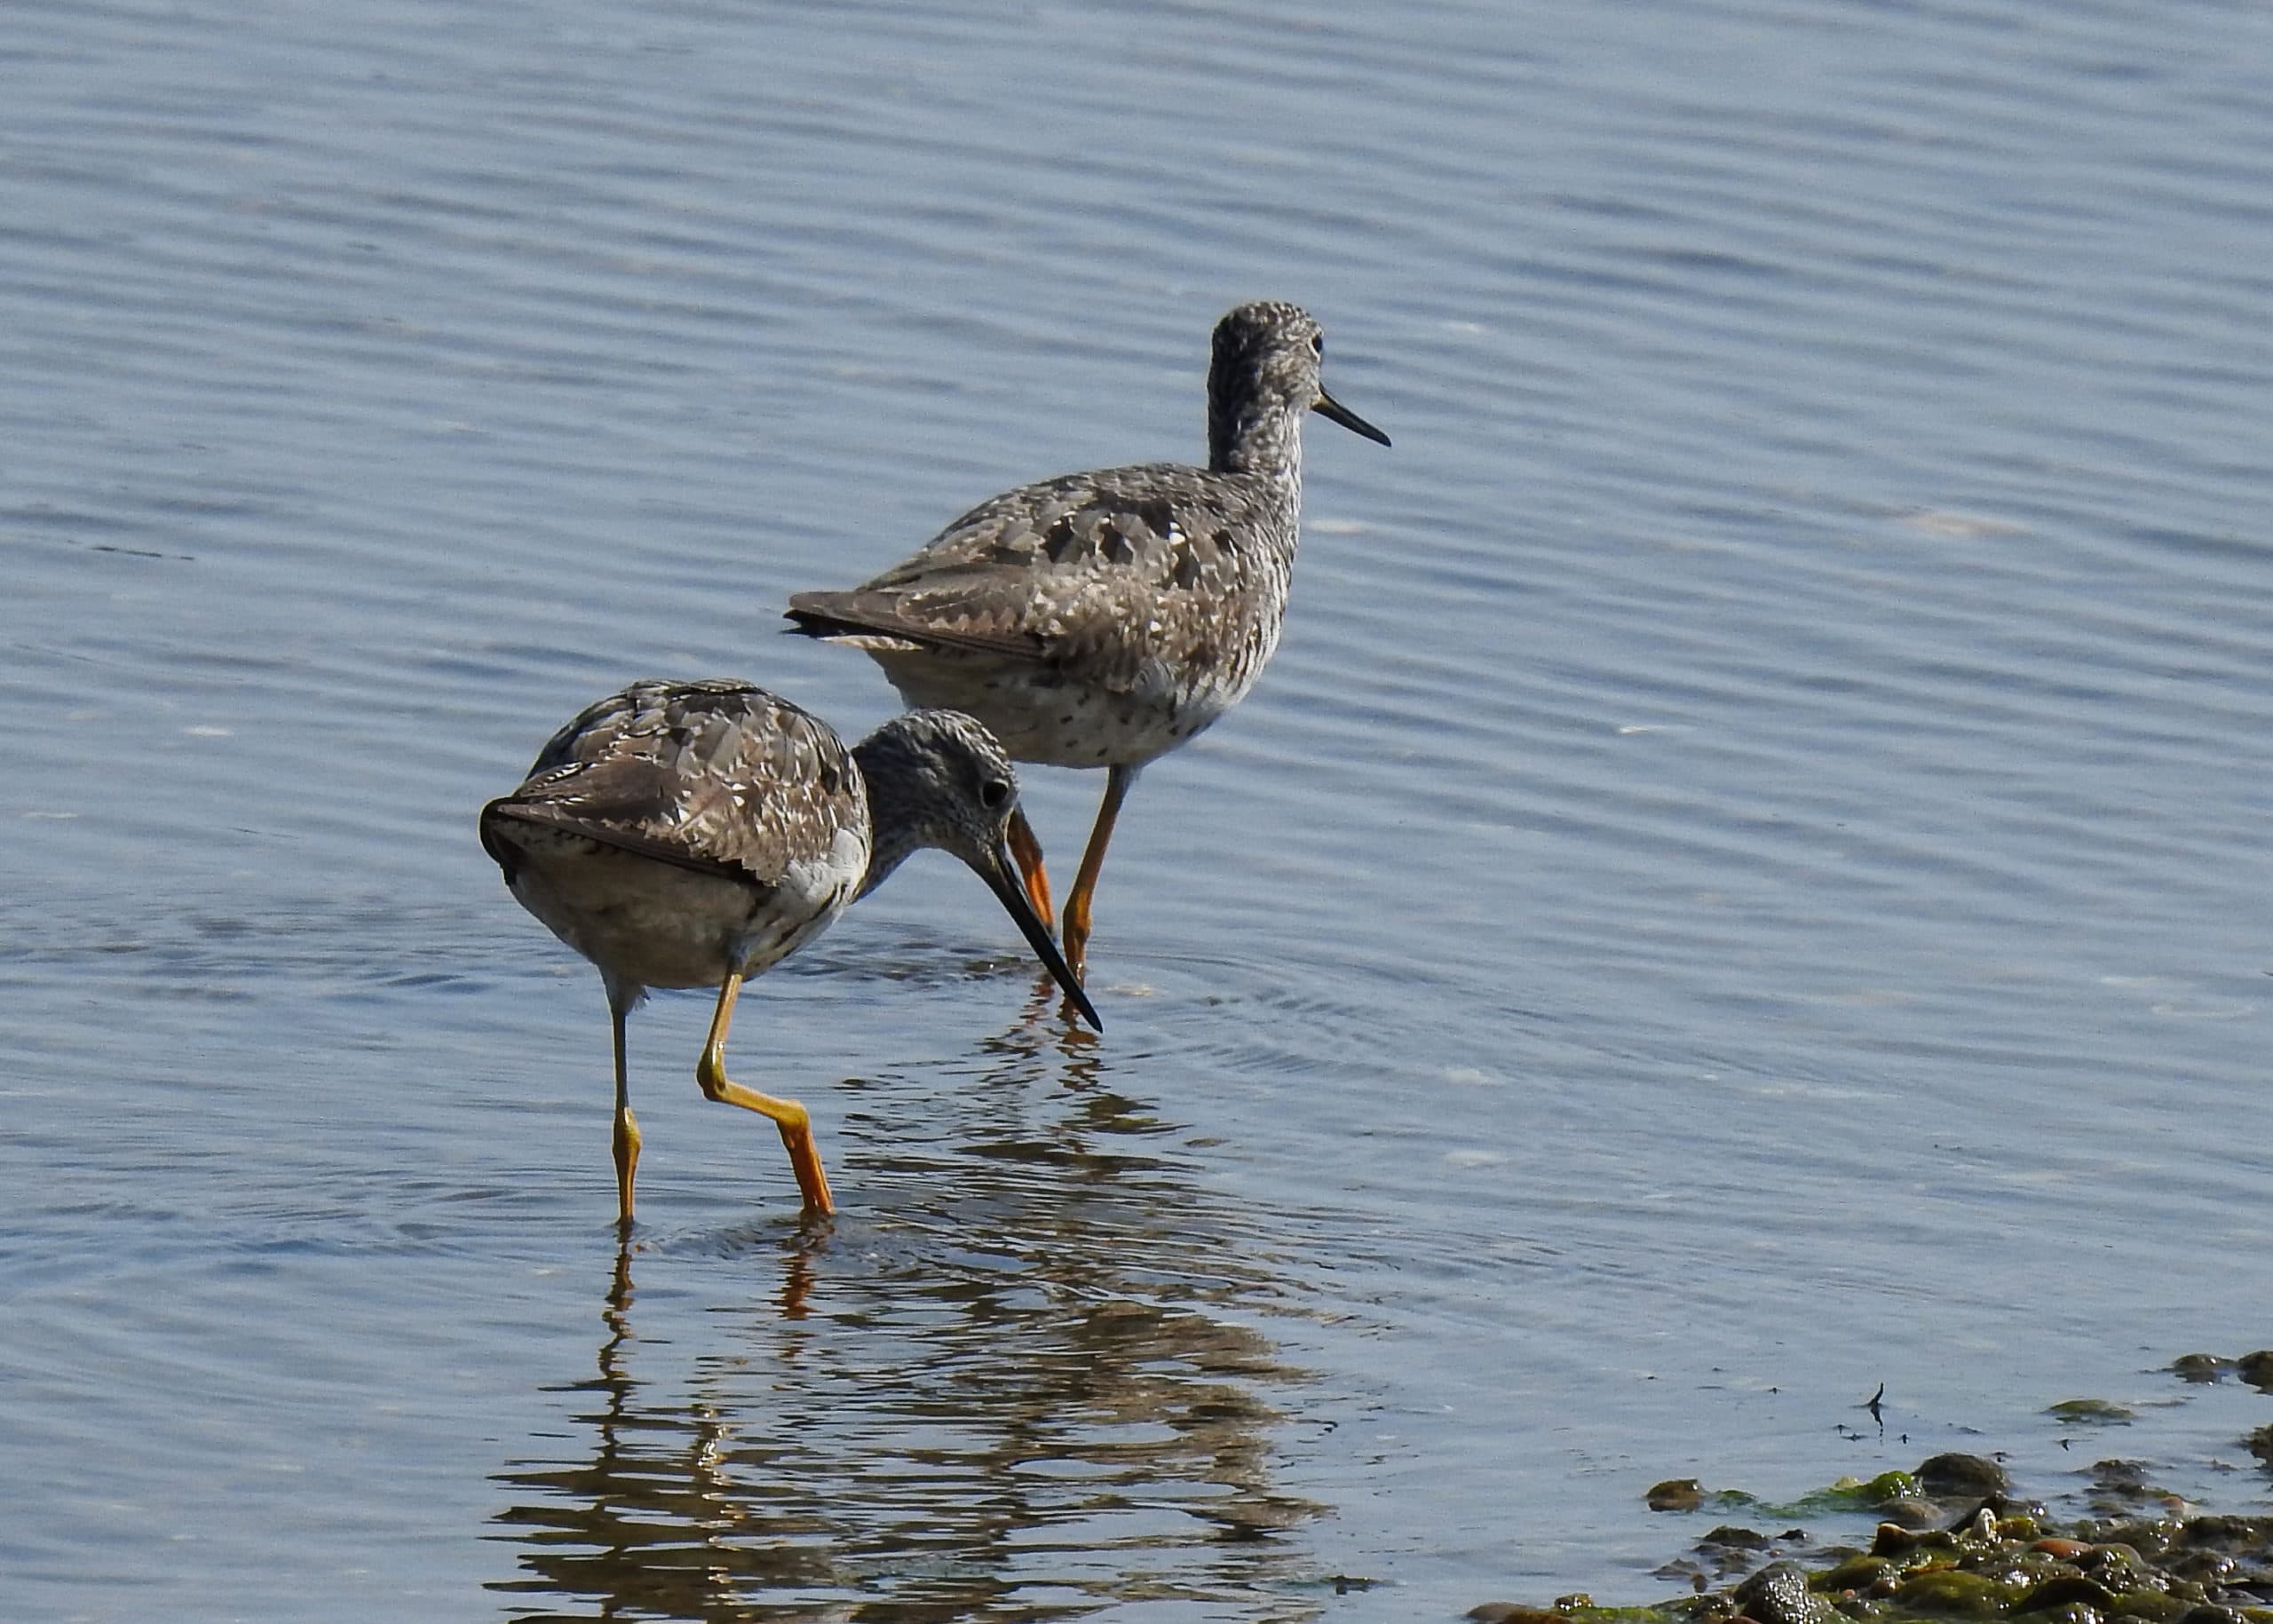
{"x": 1044, "y": 716}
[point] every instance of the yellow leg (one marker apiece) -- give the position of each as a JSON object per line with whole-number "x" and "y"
{"x": 1025, "y": 850}
{"x": 1076, "y": 935}
{"x": 626, "y": 1130}
{"x": 627, "y": 1161}
{"x": 788, "y": 1115}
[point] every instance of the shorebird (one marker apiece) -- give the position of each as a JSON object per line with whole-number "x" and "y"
{"x": 1101, "y": 619}
{"x": 694, "y": 834}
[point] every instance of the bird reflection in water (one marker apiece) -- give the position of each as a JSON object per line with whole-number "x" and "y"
{"x": 652, "y": 1524}
{"x": 1023, "y": 1382}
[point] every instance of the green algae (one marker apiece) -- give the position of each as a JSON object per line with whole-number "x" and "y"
{"x": 1952, "y": 1593}
{"x": 1984, "y": 1558}
{"x": 1681, "y": 1494}
{"x": 1858, "y": 1494}
{"x": 2092, "y": 1412}
{"x": 1845, "y": 1497}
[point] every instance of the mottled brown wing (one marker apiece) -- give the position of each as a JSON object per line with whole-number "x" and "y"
{"x": 1051, "y": 572}
{"x": 718, "y": 776}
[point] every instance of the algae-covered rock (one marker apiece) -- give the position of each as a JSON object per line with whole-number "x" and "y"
{"x": 1859, "y": 1572}
{"x": 1886, "y": 1486}
{"x": 1910, "y": 1512}
{"x": 2116, "y": 1483}
{"x": 1951, "y": 1592}
{"x": 2123, "y": 1553}
{"x": 1996, "y": 1560}
{"x": 2210, "y": 1612}
{"x": 1675, "y": 1494}
{"x": 1893, "y": 1540}
{"x": 1953, "y": 1475}
{"x": 2210, "y": 1531}
{"x": 2062, "y": 1588}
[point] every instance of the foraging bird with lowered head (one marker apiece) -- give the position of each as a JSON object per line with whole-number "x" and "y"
{"x": 694, "y": 834}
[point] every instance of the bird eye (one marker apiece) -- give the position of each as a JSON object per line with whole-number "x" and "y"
{"x": 992, "y": 793}
{"x": 1318, "y": 342}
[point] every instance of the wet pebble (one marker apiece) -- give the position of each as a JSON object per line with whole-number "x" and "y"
{"x": 1911, "y": 1513}
{"x": 1779, "y": 1594}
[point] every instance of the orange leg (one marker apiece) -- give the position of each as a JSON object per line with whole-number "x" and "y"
{"x": 1025, "y": 850}
{"x": 1076, "y": 934}
{"x": 790, "y": 1117}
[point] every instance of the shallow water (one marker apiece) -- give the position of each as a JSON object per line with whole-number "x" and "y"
{"x": 1745, "y": 882}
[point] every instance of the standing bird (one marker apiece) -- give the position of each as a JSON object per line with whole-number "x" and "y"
{"x": 1100, "y": 619}
{"x": 694, "y": 834}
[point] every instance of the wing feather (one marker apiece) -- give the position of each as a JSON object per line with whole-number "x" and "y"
{"x": 1132, "y": 563}
{"x": 717, "y": 777}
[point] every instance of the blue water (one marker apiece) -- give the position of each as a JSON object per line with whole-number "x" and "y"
{"x": 1745, "y": 881}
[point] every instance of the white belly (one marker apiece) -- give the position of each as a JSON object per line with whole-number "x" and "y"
{"x": 652, "y": 924}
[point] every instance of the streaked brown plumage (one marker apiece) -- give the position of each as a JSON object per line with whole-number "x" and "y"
{"x": 1101, "y": 619}
{"x": 694, "y": 834}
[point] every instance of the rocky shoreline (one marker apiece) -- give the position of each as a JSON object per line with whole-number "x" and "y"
{"x": 1954, "y": 1541}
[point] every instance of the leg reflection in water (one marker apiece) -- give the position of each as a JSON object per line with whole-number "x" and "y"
{"x": 1028, "y": 1379}
{"x": 653, "y": 1521}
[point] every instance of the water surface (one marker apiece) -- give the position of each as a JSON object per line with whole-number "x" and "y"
{"x": 1745, "y": 882}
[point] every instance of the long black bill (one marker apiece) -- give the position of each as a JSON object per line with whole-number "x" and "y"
{"x": 1326, "y": 406}
{"x": 1002, "y": 880}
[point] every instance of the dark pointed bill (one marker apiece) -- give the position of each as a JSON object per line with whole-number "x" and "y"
{"x": 1326, "y": 406}
{"x": 1004, "y": 881}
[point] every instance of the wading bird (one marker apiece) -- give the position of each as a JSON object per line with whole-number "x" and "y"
{"x": 1101, "y": 619}
{"x": 694, "y": 834}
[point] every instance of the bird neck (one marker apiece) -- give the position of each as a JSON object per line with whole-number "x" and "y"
{"x": 1252, "y": 438}
{"x": 894, "y": 831}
